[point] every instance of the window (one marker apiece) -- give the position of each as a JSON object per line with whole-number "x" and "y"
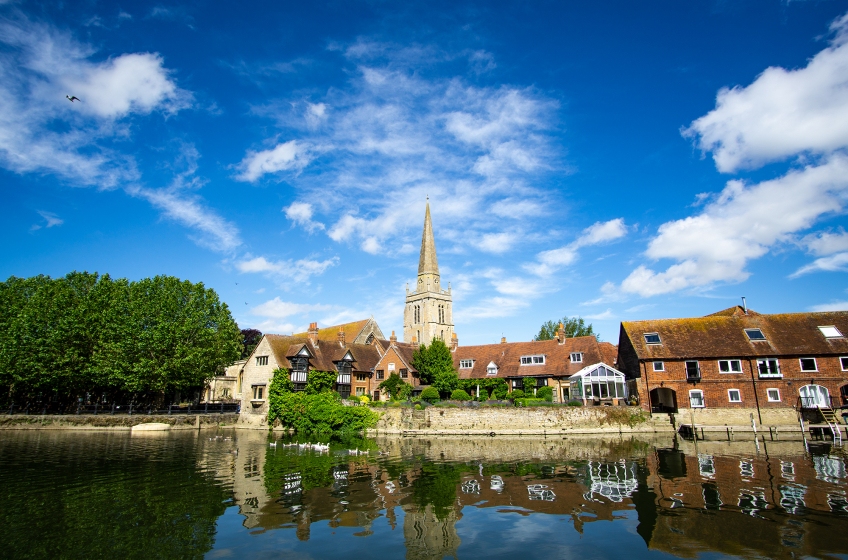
{"x": 532, "y": 360}
{"x": 773, "y": 395}
{"x": 659, "y": 366}
{"x": 808, "y": 364}
{"x": 416, "y": 313}
{"x": 844, "y": 363}
{"x": 696, "y": 398}
{"x": 693, "y": 372}
{"x": 730, "y": 366}
{"x": 755, "y": 334}
{"x": 344, "y": 368}
{"x": 361, "y": 377}
{"x": 464, "y": 364}
{"x": 404, "y": 373}
{"x": 258, "y": 392}
{"x": 733, "y": 395}
{"x": 517, "y": 383}
{"x": 491, "y": 369}
{"x": 380, "y": 374}
{"x": 391, "y": 367}
{"x": 576, "y": 357}
{"x": 360, "y": 391}
{"x": 300, "y": 365}
{"x": 652, "y": 338}
{"x": 261, "y": 360}
{"x": 830, "y": 332}
{"x": 768, "y": 367}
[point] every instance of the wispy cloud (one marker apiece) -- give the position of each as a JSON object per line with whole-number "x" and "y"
{"x": 300, "y": 270}
{"x": 832, "y": 306}
{"x": 301, "y": 214}
{"x": 552, "y": 260}
{"x": 50, "y": 219}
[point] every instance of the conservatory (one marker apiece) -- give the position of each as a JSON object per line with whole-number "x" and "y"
{"x": 599, "y": 383}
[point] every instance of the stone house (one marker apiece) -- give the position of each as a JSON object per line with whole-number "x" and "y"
{"x": 530, "y": 365}
{"x": 225, "y": 387}
{"x": 310, "y": 351}
{"x": 737, "y": 358}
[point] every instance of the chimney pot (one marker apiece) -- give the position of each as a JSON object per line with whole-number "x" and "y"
{"x": 454, "y": 343}
{"x": 312, "y": 333}
{"x": 503, "y": 340}
{"x": 341, "y": 337}
{"x": 393, "y": 338}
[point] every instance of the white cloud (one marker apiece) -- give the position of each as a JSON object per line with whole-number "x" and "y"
{"x": 493, "y": 307}
{"x": 782, "y": 113}
{"x": 552, "y": 260}
{"x": 833, "y": 263}
{"x": 608, "y": 314}
{"x": 826, "y": 243}
{"x": 287, "y": 156}
{"x": 496, "y": 242}
{"x": 299, "y": 271}
{"x": 832, "y": 306}
{"x": 301, "y": 214}
{"x": 278, "y": 309}
{"x": 51, "y": 219}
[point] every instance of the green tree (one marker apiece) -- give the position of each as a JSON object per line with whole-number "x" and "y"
{"x": 460, "y": 395}
{"x": 445, "y": 382}
{"x": 395, "y": 386}
{"x": 573, "y": 326}
{"x": 320, "y": 381}
{"x": 432, "y": 360}
{"x": 430, "y": 394}
{"x": 249, "y": 339}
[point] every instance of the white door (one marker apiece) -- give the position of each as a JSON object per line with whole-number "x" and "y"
{"x": 814, "y": 396}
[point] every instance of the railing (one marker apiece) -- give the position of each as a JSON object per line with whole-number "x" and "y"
{"x": 816, "y": 402}
{"x": 40, "y": 409}
{"x": 343, "y": 378}
{"x": 298, "y": 377}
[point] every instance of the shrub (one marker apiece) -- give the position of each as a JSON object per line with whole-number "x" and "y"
{"x": 418, "y": 406}
{"x": 517, "y": 394}
{"x": 430, "y": 394}
{"x": 364, "y": 399}
{"x": 575, "y": 403}
{"x": 500, "y": 391}
{"x": 545, "y": 392}
{"x": 460, "y": 395}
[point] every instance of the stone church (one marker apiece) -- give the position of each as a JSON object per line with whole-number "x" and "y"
{"x": 428, "y": 313}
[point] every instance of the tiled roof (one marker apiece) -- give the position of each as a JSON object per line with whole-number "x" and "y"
{"x": 325, "y": 353}
{"x": 609, "y": 352}
{"x": 507, "y": 356}
{"x": 722, "y": 335}
{"x": 351, "y": 331}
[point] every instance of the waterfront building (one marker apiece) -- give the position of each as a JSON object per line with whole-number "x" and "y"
{"x": 531, "y": 365}
{"x": 737, "y": 359}
{"x": 428, "y": 313}
{"x": 397, "y": 358}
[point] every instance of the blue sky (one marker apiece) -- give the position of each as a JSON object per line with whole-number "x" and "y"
{"x": 612, "y": 160}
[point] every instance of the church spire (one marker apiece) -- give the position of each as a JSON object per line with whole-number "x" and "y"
{"x": 427, "y": 262}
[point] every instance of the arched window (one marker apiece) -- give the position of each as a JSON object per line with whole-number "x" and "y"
{"x": 814, "y": 396}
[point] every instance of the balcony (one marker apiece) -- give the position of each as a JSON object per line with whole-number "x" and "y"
{"x": 298, "y": 376}
{"x": 343, "y": 379}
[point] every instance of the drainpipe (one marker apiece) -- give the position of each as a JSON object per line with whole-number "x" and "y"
{"x": 754, "y": 384}
{"x": 647, "y": 386}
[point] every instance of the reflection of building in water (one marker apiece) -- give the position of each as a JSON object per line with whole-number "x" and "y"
{"x": 427, "y": 536}
{"x": 613, "y": 481}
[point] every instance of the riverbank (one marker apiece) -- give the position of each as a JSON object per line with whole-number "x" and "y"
{"x": 122, "y": 422}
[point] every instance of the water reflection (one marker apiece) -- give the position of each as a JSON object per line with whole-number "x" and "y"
{"x": 195, "y": 494}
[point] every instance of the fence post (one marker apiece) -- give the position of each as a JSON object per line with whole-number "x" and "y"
{"x": 95, "y": 408}
{"x": 113, "y": 408}
{"x": 222, "y": 407}
{"x": 12, "y": 408}
{"x": 206, "y": 407}
{"x": 170, "y": 406}
{"x": 130, "y": 412}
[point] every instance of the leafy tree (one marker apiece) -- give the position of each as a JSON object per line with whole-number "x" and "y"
{"x": 249, "y": 339}
{"x": 445, "y": 382}
{"x": 517, "y": 394}
{"x": 395, "y": 386}
{"x": 460, "y": 395}
{"x": 430, "y": 394}
{"x": 432, "y": 360}
{"x": 573, "y": 326}
{"x": 489, "y": 386}
{"x": 320, "y": 381}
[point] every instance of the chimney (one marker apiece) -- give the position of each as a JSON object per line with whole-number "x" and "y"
{"x": 503, "y": 340}
{"x": 560, "y": 334}
{"x": 341, "y": 337}
{"x": 414, "y": 339}
{"x": 454, "y": 342}
{"x": 744, "y": 305}
{"x": 312, "y": 333}
{"x": 393, "y": 338}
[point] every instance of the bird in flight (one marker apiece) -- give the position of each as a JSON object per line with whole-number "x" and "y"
{"x": 73, "y": 98}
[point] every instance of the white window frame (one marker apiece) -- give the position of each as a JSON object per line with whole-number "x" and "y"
{"x": 647, "y": 334}
{"x": 360, "y": 391}
{"x": 835, "y": 333}
{"x": 801, "y": 365}
{"x": 492, "y": 368}
{"x": 749, "y": 331}
{"x": 730, "y": 370}
{"x": 258, "y": 391}
{"x": 261, "y": 360}
{"x": 466, "y": 364}
{"x": 730, "y": 395}
{"x": 661, "y": 366}
{"x": 769, "y": 394}
{"x": 533, "y": 360}
{"x": 391, "y": 367}
{"x": 697, "y": 366}
{"x": 776, "y": 363}
{"x": 843, "y": 363}
{"x": 693, "y": 392}
{"x": 577, "y": 357}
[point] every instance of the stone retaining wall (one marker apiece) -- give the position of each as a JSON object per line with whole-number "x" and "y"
{"x": 109, "y": 422}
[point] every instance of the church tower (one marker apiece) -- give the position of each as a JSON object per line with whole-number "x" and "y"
{"x": 429, "y": 309}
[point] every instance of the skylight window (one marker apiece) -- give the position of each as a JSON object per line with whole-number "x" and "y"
{"x": 652, "y": 338}
{"x": 830, "y": 332}
{"x": 755, "y": 334}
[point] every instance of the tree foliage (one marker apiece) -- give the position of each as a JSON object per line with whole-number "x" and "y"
{"x": 489, "y": 387}
{"x": 86, "y": 334}
{"x": 432, "y": 360}
{"x": 397, "y": 388}
{"x": 249, "y": 339}
{"x": 430, "y": 394}
{"x": 460, "y": 395}
{"x": 573, "y": 326}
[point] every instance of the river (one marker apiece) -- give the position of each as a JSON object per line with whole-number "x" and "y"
{"x": 229, "y": 494}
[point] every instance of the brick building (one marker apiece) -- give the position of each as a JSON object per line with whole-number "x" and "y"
{"x": 396, "y": 358}
{"x": 737, "y": 358}
{"x": 530, "y": 365}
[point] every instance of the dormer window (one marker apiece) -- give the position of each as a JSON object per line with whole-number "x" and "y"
{"x": 576, "y": 357}
{"x": 466, "y": 364}
{"x": 755, "y": 334}
{"x": 830, "y": 332}
{"x": 652, "y": 338}
{"x": 492, "y": 369}
{"x": 533, "y": 360}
